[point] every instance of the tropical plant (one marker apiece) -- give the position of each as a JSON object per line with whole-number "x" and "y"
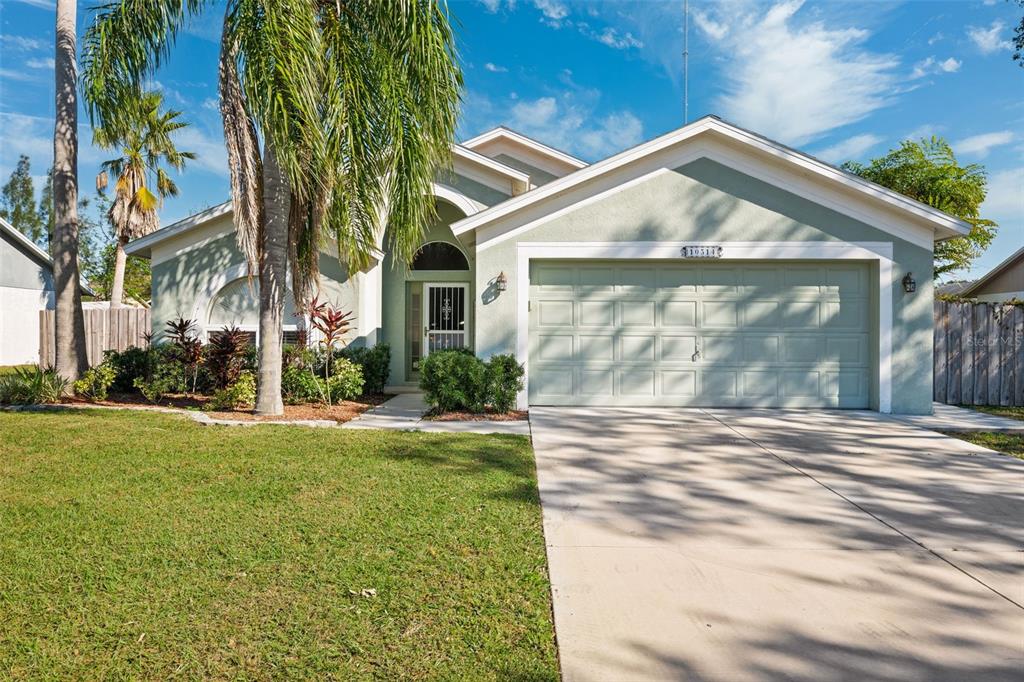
{"x": 454, "y": 380}
{"x": 69, "y": 321}
{"x": 225, "y": 355}
{"x": 130, "y": 364}
{"x": 375, "y": 363}
{"x": 928, "y": 171}
{"x": 301, "y": 386}
{"x": 333, "y": 325}
{"x": 186, "y": 349}
{"x": 31, "y": 386}
{"x": 143, "y": 136}
{"x": 240, "y": 393}
{"x": 355, "y": 104}
{"x": 345, "y": 383}
{"x": 504, "y": 381}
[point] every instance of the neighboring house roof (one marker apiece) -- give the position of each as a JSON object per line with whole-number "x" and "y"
{"x": 507, "y": 134}
{"x": 953, "y": 288}
{"x": 1015, "y": 259}
{"x": 943, "y": 226}
{"x": 35, "y": 252}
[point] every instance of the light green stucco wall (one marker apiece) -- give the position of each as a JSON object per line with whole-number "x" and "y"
{"x": 537, "y": 176}
{"x": 705, "y": 201}
{"x": 394, "y": 286}
{"x": 180, "y": 281}
{"x": 487, "y": 196}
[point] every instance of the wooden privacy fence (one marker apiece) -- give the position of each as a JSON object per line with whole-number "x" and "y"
{"x": 979, "y": 353}
{"x": 105, "y": 329}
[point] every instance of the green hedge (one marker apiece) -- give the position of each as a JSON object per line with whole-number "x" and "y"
{"x": 456, "y": 380}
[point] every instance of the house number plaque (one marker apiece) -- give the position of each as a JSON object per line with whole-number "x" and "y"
{"x": 702, "y": 252}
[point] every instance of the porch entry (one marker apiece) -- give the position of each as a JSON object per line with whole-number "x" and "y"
{"x": 444, "y": 316}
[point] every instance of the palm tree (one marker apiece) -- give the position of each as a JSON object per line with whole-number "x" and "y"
{"x": 69, "y": 322}
{"x": 355, "y": 104}
{"x": 144, "y": 135}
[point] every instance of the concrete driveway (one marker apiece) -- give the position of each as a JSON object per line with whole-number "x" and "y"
{"x": 766, "y": 544}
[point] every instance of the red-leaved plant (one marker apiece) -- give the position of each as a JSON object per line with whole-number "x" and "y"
{"x": 333, "y": 325}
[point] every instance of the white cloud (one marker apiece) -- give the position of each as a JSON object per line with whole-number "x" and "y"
{"x": 210, "y": 153}
{"x": 990, "y": 39}
{"x": 211, "y": 103}
{"x": 711, "y": 28}
{"x": 567, "y": 124}
{"x": 923, "y": 132}
{"x": 1005, "y": 198}
{"x": 850, "y": 149}
{"x": 981, "y": 145}
{"x": 46, "y": 63}
{"x": 936, "y": 38}
{"x": 796, "y": 80}
{"x": 620, "y": 41}
{"x": 491, "y": 5}
{"x": 495, "y": 68}
{"x": 16, "y": 75}
{"x": 932, "y": 65}
{"x": 554, "y": 11}
{"x": 42, "y": 4}
{"x": 22, "y": 43}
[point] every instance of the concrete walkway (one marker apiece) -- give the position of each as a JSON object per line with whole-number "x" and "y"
{"x": 953, "y": 418}
{"x": 775, "y": 545}
{"x": 405, "y": 412}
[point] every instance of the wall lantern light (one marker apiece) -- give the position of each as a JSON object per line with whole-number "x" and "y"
{"x": 501, "y": 282}
{"x": 909, "y": 284}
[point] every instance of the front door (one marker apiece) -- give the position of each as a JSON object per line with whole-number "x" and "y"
{"x": 444, "y": 317}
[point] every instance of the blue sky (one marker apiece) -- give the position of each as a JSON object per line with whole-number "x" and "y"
{"x": 841, "y": 80}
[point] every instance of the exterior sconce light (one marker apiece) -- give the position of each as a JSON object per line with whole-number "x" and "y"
{"x": 501, "y": 282}
{"x": 909, "y": 284}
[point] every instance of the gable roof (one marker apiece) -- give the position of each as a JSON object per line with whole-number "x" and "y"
{"x": 520, "y": 181}
{"x": 36, "y": 253}
{"x": 503, "y": 133}
{"x": 943, "y": 225}
{"x": 1015, "y": 258}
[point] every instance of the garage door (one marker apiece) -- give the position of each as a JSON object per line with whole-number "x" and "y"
{"x": 682, "y": 334}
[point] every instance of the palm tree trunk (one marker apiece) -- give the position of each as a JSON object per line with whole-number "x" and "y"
{"x": 70, "y": 324}
{"x": 117, "y": 287}
{"x": 272, "y": 274}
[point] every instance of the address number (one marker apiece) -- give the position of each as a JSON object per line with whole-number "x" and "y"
{"x": 702, "y": 252}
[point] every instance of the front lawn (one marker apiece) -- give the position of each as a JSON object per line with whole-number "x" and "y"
{"x": 1000, "y": 411}
{"x": 1006, "y": 443}
{"x": 138, "y": 545}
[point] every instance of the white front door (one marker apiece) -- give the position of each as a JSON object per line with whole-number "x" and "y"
{"x": 444, "y": 316}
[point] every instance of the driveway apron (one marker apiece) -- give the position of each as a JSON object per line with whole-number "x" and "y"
{"x": 764, "y": 544}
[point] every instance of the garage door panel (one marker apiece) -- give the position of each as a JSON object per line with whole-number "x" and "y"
{"x": 679, "y": 314}
{"x": 637, "y": 313}
{"x": 628, "y": 333}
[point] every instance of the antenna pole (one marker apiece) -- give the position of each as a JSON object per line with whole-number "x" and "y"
{"x": 686, "y": 61}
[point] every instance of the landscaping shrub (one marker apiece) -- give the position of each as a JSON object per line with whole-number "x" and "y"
{"x": 96, "y": 381}
{"x": 504, "y": 381}
{"x": 225, "y": 356}
{"x": 375, "y": 363}
{"x": 165, "y": 378}
{"x": 454, "y": 380}
{"x": 129, "y": 365}
{"x": 345, "y": 381}
{"x": 31, "y": 386}
{"x": 242, "y": 393}
{"x": 301, "y": 386}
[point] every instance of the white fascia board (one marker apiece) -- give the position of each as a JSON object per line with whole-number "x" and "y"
{"x": 142, "y": 245}
{"x": 942, "y": 225}
{"x": 519, "y": 182}
{"x": 505, "y": 133}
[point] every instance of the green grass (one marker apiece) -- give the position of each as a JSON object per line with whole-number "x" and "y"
{"x": 1008, "y": 412}
{"x": 11, "y": 369}
{"x": 146, "y": 546}
{"x": 1007, "y": 443}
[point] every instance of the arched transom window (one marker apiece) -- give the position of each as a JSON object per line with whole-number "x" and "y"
{"x": 238, "y": 305}
{"x": 439, "y": 256}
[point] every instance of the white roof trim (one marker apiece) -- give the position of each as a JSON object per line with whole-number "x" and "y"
{"x": 143, "y": 244}
{"x": 508, "y": 134}
{"x": 991, "y": 274}
{"x": 467, "y": 205}
{"x": 520, "y": 180}
{"x": 38, "y": 252}
{"x": 946, "y": 224}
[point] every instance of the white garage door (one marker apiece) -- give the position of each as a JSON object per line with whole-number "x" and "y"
{"x": 682, "y": 334}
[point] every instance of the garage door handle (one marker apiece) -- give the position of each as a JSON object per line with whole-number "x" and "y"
{"x": 696, "y": 355}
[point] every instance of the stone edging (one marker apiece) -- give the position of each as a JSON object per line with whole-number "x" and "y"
{"x": 194, "y": 415}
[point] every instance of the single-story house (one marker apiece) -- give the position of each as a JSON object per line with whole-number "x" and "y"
{"x": 707, "y": 267}
{"x": 26, "y": 287}
{"x": 1004, "y": 282}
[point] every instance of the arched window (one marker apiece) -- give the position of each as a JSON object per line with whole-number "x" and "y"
{"x": 439, "y": 256}
{"x": 237, "y": 305}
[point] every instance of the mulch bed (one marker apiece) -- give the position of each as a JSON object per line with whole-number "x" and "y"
{"x": 513, "y": 416}
{"x": 343, "y": 411}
